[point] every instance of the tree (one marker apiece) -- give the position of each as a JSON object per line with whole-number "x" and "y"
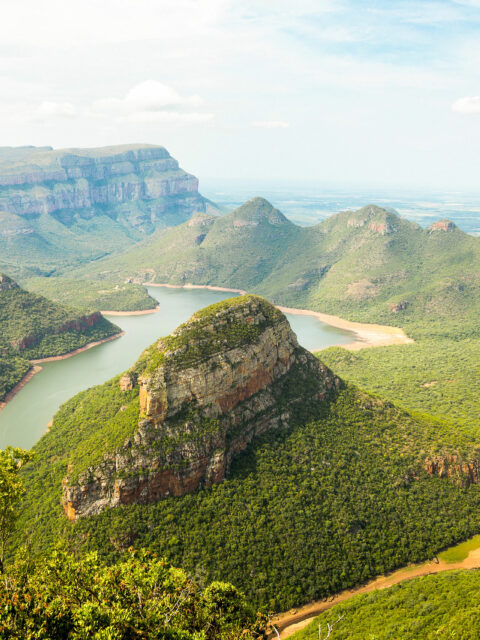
{"x": 11, "y": 491}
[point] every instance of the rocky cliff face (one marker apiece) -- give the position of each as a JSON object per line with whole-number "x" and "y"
{"x": 234, "y": 371}
{"x": 140, "y": 182}
{"x": 452, "y": 466}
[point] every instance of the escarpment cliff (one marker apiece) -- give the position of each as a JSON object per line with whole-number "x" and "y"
{"x": 88, "y": 203}
{"x": 73, "y": 182}
{"x": 232, "y": 372}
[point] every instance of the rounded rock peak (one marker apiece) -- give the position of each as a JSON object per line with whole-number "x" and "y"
{"x": 442, "y": 225}
{"x": 259, "y": 210}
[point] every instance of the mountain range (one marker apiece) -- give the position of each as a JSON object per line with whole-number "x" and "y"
{"x": 369, "y": 264}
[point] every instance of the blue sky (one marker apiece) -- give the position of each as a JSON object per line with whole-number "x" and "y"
{"x": 348, "y": 92}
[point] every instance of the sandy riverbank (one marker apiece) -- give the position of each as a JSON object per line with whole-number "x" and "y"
{"x": 144, "y": 312}
{"x": 367, "y": 335}
{"x": 13, "y": 392}
{"x": 70, "y": 354}
{"x": 290, "y": 622}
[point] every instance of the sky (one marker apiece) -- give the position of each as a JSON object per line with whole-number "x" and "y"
{"x": 318, "y": 91}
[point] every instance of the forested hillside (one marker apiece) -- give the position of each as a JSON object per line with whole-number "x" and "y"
{"x": 345, "y": 490}
{"x": 430, "y": 607}
{"x": 33, "y": 327}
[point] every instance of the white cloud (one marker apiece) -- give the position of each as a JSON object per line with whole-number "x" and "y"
{"x": 469, "y": 104}
{"x": 48, "y": 109}
{"x": 151, "y": 101}
{"x": 271, "y": 124}
{"x": 148, "y": 96}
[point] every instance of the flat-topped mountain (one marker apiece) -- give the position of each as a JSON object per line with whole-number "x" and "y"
{"x": 203, "y": 393}
{"x": 60, "y": 207}
{"x": 368, "y": 264}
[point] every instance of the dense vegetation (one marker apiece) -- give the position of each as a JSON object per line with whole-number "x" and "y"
{"x": 338, "y": 498}
{"x": 79, "y": 597}
{"x": 12, "y": 370}
{"x": 89, "y": 295}
{"x": 431, "y": 607}
{"x": 439, "y": 377}
{"x": 366, "y": 265}
{"x": 33, "y": 327}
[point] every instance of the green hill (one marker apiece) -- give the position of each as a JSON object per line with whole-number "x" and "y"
{"x": 33, "y": 327}
{"x": 427, "y": 608}
{"x": 369, "y": 265}
{"x": 342, "y": 489}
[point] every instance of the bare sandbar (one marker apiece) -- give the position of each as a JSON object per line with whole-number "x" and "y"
{"x": 143, "y": 312}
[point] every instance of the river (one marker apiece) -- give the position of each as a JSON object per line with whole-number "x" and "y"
{"x": 26, "y": 416}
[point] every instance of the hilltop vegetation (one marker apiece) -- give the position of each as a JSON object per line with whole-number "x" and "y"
{"x": 430, "y": 607}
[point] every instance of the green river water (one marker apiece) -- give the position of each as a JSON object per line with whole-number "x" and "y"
{"x": 26, "y": 416}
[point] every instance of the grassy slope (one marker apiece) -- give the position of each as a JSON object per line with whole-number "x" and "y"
{"x": 90, "y": 295}
{"x": 24, "y": 314}
{"x": 427, "y": 608}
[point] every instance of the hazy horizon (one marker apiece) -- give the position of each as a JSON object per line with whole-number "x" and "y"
{"x": 366, "y": 92}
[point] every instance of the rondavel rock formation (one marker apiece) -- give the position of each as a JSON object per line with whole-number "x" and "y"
{"x": 232, "y": 372}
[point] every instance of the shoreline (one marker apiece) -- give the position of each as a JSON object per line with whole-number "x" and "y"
{"x": 189, "y": 285}
{"x": 290, "y": 622}
{"x": 19, "y": 386}
{"x": 367, "y": 335}
{"x": 70, "y": 354}
{"x": 142, "y": 312}
{"x": 36, "y": 368}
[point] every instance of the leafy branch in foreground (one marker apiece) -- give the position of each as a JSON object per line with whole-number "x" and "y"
{"x": 140, "y": 597}
{"x": 11, "y": 491}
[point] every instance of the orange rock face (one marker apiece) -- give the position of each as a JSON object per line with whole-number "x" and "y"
{"x": 195, "y": 418}
{"x": 451, "y": 466}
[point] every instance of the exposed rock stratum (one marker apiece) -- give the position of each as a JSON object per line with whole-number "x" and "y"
{"x": 232, "y": 372}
